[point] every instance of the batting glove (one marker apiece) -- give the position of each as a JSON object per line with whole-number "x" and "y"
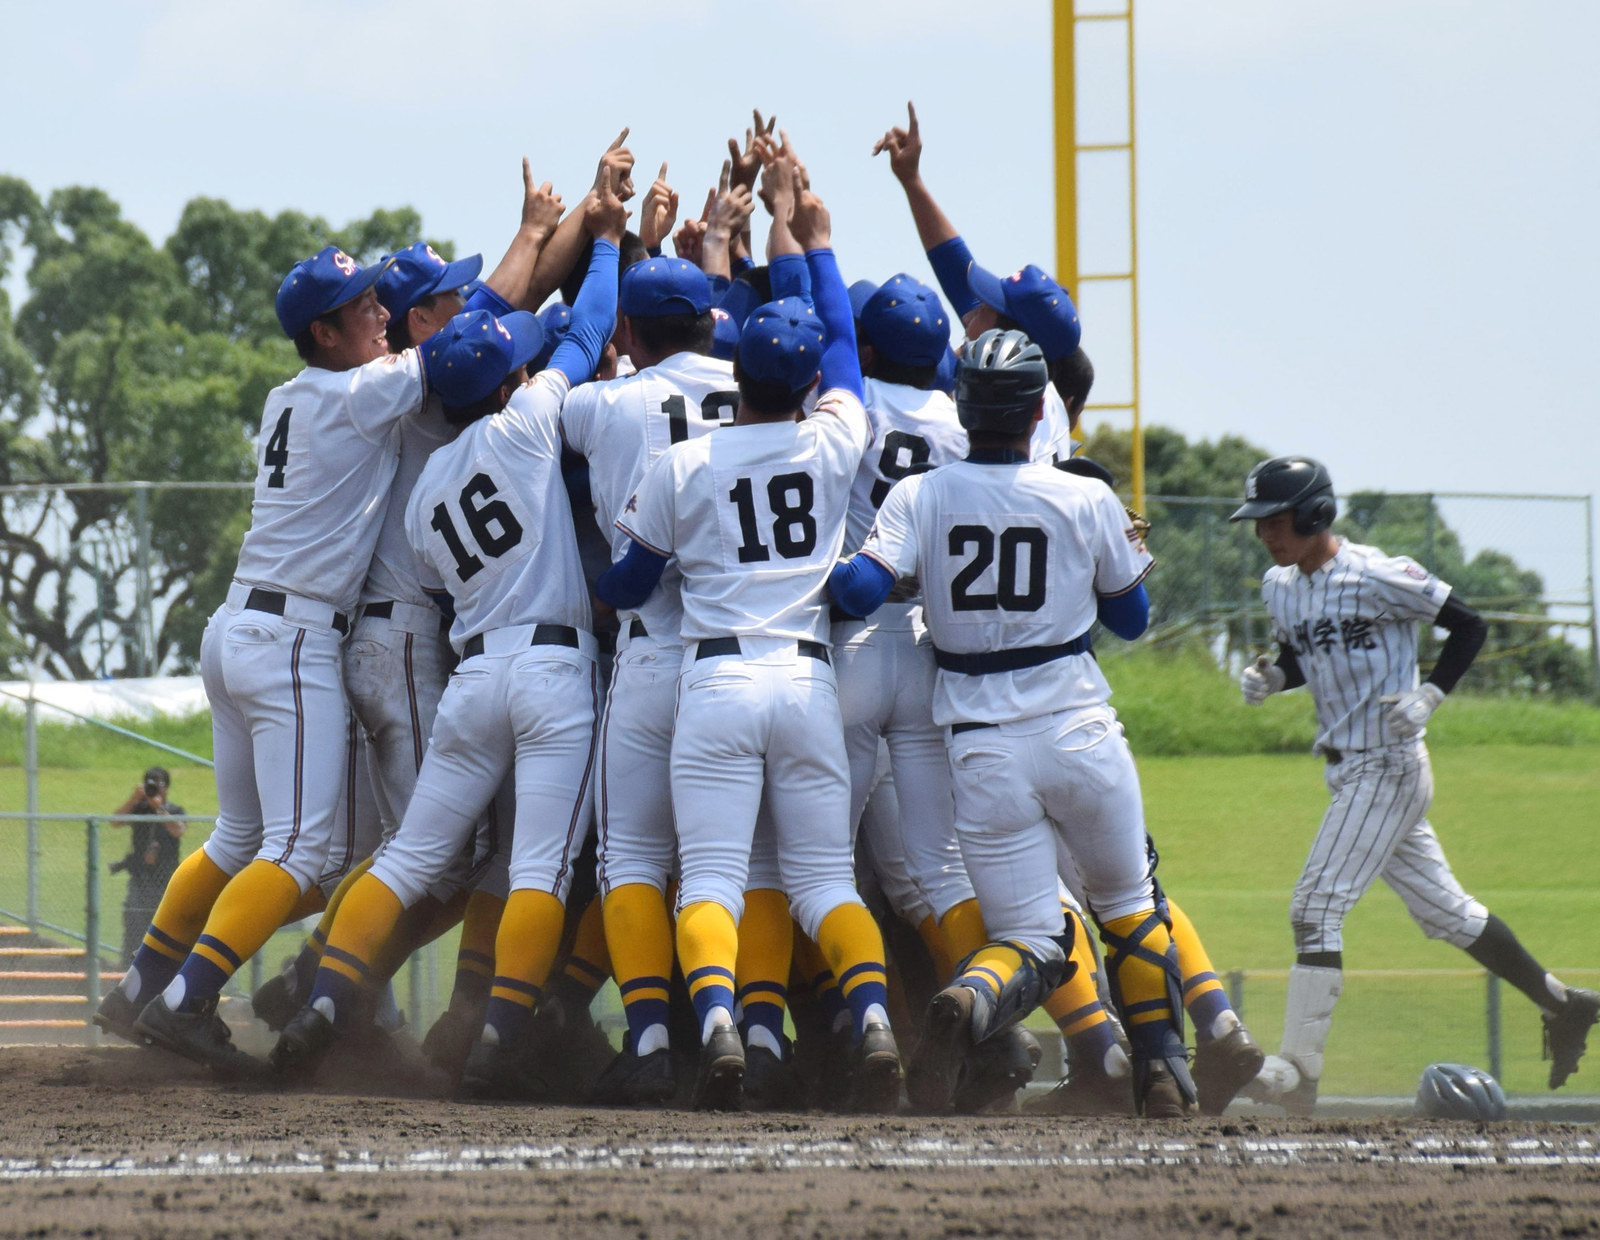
{"x": 1408, "y": 713}
{"x": 1261, "y": 680}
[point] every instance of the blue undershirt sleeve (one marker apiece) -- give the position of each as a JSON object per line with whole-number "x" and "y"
{"x": 594, "y": 318}
{"x": 841, "y": 363}
{"x": 485, "y": 298}
{"x": 790, "y": 276}
{"x": 738, "y": 301}
{"x": 742, "y": 263}
{"x": 860, "y": 585}
{"x": 1126, "y": 615}
{"x": 950, "y": 260}
{"x": 629, "y": 581}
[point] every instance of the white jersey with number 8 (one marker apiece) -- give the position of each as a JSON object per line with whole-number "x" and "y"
{"x": 1010, "y": 556}
{"x": 756, "y": 517}
{"x": 490, "y": 519}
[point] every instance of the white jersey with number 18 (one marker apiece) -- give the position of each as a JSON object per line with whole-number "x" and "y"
{"x": 1010, "y": 556}
{"x": 756, "y": 516}
{"x": 490, "y": 519}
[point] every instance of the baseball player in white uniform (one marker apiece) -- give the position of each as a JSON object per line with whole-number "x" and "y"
{"x": 1016, "y": 561}
{"x": 755, "y": 517}
{"x": 271, "y": 657}
{"x": 490, "y": 520}
{"x": 1345, "y": 619}
{"x": 677, "y": 394}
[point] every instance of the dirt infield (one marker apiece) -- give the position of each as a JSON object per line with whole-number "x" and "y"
{"x": 119, "y": 1142}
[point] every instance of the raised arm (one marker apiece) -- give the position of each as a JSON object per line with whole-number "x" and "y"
{"x": 728, "y": 216}
{"x": 562, "y": 251}
{"x": 841, "y": 364}
{"x": 541, "y": 213}
{"x": 594, "y": 312}
{"x": 946, "y": 251}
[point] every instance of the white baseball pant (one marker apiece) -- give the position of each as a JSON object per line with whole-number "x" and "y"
{"x": 1019, "y": 788}
{"x": 358, "y": 822}
{"x": 886, "y": 677}
{"x": 637, "y": 843}
{"x": 880, "y": 828}
{"x": 1375, "y": 828}
{"x": 279, "y": 730}
{"x": 765, "y": 722}
{"x": 521, "y": 710}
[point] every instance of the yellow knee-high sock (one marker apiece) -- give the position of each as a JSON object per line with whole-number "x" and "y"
{"x": 963, "y": 931}
{"x": 1203, "y": 993}
{"x": 992, "y": 967}
{"x": 588, "y": 964}
{"x": 366, "y": 921}
{"x": 524, "y": 949}
{"x": 191, "y": 892}
{"x": 639, "y": 942}
{"x": 853, "y": 947}
{"x": 1140, "y": 985}
{"x": 824, "y": 985}
{"x": 480, "y": 923}
{"x": 246, "y": 914}
{"x": 311, "y": 901}
{"x": 708, "y": 948}
{"x": 1075, "y": 1005}
{"x": 933, "y": 938}
{"x": 418, "y": 926}
{"x": 761, "y": 975}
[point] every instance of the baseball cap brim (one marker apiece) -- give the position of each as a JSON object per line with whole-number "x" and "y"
{"x": 987, "y": 288}
{"x": 1255, "y": 509}
{"x": 860, "y": 294}
{"x": 527, "y": 337}
{"x": 358, "y": 284}
{"x": 458, "y": 274}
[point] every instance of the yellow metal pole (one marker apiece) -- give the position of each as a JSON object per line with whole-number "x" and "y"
{"x": 1133, "y": 267}
{"x": 1066, "y": 141}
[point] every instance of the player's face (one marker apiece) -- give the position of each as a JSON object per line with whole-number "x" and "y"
{"x": 358, "y": 336}
{"x": 983, "y": 319}
{"x": 430, "y": 314}
{"x": 1278, "y": 537}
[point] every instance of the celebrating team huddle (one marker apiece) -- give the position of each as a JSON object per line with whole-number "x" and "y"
{"x": 720, "y": 629}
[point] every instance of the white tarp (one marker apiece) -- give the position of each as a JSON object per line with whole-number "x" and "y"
{"x": 138, "y": 698}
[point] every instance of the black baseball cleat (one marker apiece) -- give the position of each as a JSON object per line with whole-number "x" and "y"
{"x": 637, "y": 1080}
{"x": 202, "y": 1036}
{"x": 504, "y": 1072}
{"x": 277, "y": 1000}
{"x": 1086, "y": 1093}
{"x": 302, "y": 1044}
{"x": 875, "y": 1083}
{"x": 995, "y": 1069}
{"x": 941, "y": 1050}
{"x": 450, "y": 1040}
{"x": 117, "y": 1014}
{"x": 721, "y": 1077}
{"x": 1157, "y": 1091}
{"x": 1224, "y": 1066}
{"x": 1566, "y": 1033}
{"x": 770, "y": 1081}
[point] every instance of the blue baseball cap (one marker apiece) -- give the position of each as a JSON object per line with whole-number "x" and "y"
{"x": 473, "y": 353}
{"x": 860, "y": 293}
{"x": 725, "y": 334}
{"x": 906, "y": 322}
{"x": 781, "y": 344}
{"x": 661, "y": 286}
{"x": 1040, "y": 306}
{"x": 555, "y": 320}
{"x": 946, "y": 379}
{"x": 417, "y": 271}
{"x": 323, "y": 282}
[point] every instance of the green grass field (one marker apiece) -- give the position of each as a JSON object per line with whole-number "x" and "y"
{"x": 1517, "y": 820}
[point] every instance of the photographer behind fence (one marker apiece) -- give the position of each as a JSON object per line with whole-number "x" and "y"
{"x": 152, "y": 856}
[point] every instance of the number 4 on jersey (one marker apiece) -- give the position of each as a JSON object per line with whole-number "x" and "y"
{"x": 276, "y": 457}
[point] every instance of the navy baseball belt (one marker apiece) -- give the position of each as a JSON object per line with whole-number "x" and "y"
{"x": 636, "y": 629}
{"x": 273, "y": 603}
{"x": 543, "y": 635}
{"x": 730, "y": 645}
{"x": 1014, "y": 660}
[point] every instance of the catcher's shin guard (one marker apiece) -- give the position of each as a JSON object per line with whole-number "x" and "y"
{"x": 1008, "y": 981}
{"x": 1147, "y": 990}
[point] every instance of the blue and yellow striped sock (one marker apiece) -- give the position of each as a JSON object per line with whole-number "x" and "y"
{"x": 1204, "y": 997}
{"x": 850, "y": 941}
{"x": 524, "y": 950}
{"x": 708, "y": 947}
{"x": 639, "y": 943}
{"x": 247, "y": 913}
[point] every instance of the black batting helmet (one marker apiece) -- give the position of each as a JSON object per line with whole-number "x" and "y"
{"x": 998, "y": 385}
{"x": 1290, "y": 482}
{"x": 1460, "y": 1091}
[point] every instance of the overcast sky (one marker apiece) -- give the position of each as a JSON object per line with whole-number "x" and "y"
{"x": 1366, "y": 227}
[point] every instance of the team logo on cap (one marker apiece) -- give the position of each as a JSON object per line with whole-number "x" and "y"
{"x": 434, "y": 254}
{"x": 344, "y": 263}
{"x": 1250, "y": 487}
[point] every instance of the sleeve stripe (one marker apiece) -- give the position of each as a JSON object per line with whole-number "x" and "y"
{"x": 878, "y": 559}
{"x": 1132, "y": 585}
{"x": 666, "y": 555}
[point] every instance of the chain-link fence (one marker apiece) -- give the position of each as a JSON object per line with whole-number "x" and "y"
{"x": 1525, "y": 561}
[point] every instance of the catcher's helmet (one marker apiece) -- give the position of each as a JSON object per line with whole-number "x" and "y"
{"x": 998, "y": 385}
{"x": 1460, "y": 1091}
{"x": 1290, "y": 482}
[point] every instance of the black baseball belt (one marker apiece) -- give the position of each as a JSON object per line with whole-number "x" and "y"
{"x": 730, "y": 645}
{"x": 1014, "y": 660}
{"x": 543, "y": 635}
{"x": 273, "y": 603}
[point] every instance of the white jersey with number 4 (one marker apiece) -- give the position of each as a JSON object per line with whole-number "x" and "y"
{"x": 1352, "y": 625}
{"x": 490, "y": 519}
{"x": 913, "y": 431}
{"x": 756, "y": 516}
{"x": 325, "y": 460}
{"x": 621, "y": 426}
{"x": 1010, "y": 556}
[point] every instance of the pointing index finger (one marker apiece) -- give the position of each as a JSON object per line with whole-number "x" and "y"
{"x": 911, "y": 110}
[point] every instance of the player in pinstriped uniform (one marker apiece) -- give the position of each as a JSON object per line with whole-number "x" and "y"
{"x": 1345, "y": 618}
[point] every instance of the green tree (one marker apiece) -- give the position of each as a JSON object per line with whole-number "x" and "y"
{"x": 127, "y": 361}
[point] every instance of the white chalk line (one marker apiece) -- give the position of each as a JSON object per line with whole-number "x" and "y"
{"x": 870, "y": 1155}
